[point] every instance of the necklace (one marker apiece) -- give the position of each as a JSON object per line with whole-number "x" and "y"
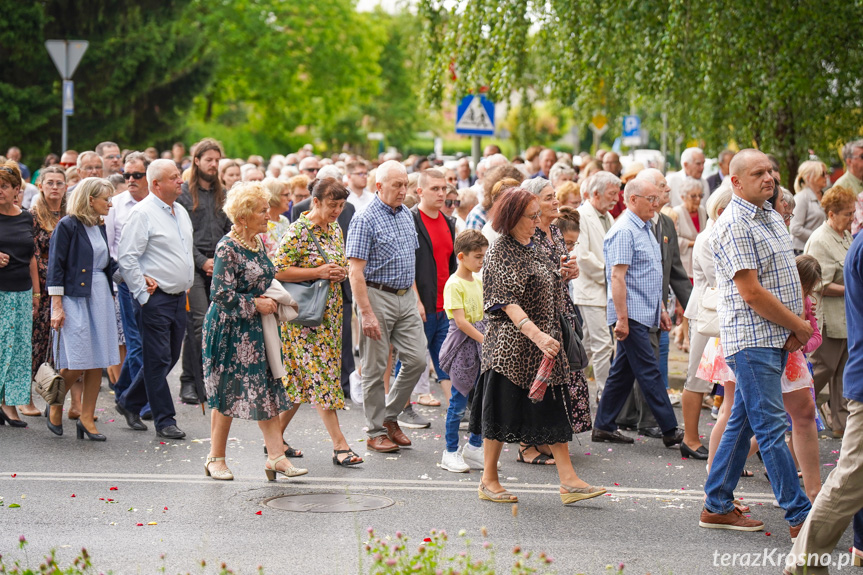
{"x": 240, "y": 241}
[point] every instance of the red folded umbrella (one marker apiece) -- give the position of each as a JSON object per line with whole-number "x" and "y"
{"x": 540, "y": 383}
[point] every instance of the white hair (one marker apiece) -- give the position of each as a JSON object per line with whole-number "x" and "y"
{"x": 652, "y": 175}
{"x": 535, "y": 185}
{"x": 689, "y": 184}
{"x": 686, "y": 156}
{"x": 330, "y": 171}
{"x": 84, "y": 156}
{"x": 384, "y": 170}
{"x": 558, "y": 170}
{"x": 598, "y": 183}
{"x": 636, "y": 187}
{"x": 495, "y": 160}
{"x": 719, "y": 199}
{"x": 157, "y": 170}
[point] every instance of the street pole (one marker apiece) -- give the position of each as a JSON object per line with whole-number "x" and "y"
{"x": 66, "y": 55}
{"x": 476, "y": 150}
{"x": 664, "y": 140}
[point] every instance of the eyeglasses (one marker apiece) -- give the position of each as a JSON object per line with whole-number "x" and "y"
{"x": 136, "y": 175}
{"x": 361, "y": 174}
{"x": 651, "y": 199}
{"x": 310, "y": 170}
{"x": 533, "y": 217}
{"x": 67, "y": 164}
{"x": 571, "y": 245}
{"x": 113, "y": 157}
{"x": 53, "y": 184}
{"x": 451, "y": 203}
{"x": 90, "y": 169}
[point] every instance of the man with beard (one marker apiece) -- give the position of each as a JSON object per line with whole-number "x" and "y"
{"x": 203, "y": 198}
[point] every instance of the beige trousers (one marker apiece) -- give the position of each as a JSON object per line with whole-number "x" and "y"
{"x": 828, "y": 365}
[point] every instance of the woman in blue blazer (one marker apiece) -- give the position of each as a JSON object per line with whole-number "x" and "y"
{"x": 82, "y": 307}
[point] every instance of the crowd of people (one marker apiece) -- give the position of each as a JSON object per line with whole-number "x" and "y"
{"x": 314, "y": 280}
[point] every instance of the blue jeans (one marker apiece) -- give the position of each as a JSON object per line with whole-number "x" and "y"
{"x": 663, "y": 356}
{"x": 134, "y": 354}
{"x": 436, "y": 327}
{"x": 454, "y": 413}
{"x": 858, "y": 530}
{"x": 758, "y": 410}
{"x": 635, "y": 355}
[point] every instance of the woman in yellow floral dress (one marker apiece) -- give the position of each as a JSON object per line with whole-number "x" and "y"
{"x": 313, "y": 355}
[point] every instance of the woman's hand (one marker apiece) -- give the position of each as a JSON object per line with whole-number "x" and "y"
{"x": 332, "y": 272}
{"x": 58, "y": 316}
{"x": 4, "y": 259}
{"x": 265, "y": 305}
{"x": 549, "y": 346}
{"x": 568, "y": 268}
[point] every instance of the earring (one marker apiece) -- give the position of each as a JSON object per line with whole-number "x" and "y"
{"x": 247, "y": 227}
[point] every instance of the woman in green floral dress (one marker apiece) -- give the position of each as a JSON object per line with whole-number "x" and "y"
{"x": 237, "y": 375}
{"x": 313, "y": 355}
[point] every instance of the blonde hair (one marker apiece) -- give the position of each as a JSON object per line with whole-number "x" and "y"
{"x": 243, "y": 199}
{"x": 275, "y": 188}
{"x": 46, "y": 219}
{"x": 807, "y": 171}
{"x": 300, "y": 181}
{"x": 565, "y": 189}
{"x": 79, "y": 200}
{"x": 10, "y": 173}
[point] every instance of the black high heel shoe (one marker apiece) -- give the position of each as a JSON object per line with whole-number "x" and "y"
{"x": 4, "y": 419}
{"x": 55, "y": 429}
{"x": 91, "y": 436}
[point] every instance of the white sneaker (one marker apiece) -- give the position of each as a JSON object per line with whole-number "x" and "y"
{"x": 454, "y": 462}
{"x": 474, "y": 456}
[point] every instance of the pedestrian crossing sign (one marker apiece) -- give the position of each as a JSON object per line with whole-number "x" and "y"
{"x": 475, "y": 116}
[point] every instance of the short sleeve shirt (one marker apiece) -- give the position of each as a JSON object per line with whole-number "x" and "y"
{"x": 631, "y": 242}
{"x": 747, "y": 237}
{"x": 462, "y": 294}
{"x": 386, "y": 239}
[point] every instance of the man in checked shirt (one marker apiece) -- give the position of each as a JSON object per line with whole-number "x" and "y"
{"x": 760, "y": 302}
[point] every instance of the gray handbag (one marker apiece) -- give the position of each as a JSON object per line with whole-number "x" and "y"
{"x": 50, "y": 384}
{"x": 311, "y": 296}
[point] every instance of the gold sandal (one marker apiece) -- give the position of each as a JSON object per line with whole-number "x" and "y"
{"x": 503, "y": 497}
{"x": 574, "y": 494}
{"x": 271, "y": 471}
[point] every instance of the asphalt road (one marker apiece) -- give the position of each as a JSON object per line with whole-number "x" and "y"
{"x": 75, "y": 494}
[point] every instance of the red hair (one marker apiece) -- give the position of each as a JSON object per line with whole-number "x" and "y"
{"x": 509, "y": 208}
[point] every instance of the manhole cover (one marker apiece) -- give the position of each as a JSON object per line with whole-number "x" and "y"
{"x": 328, "y": 502}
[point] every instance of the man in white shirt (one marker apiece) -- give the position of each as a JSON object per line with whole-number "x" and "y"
{"x": 589, "y": 290}
{"x": 135, "y": 172}
{"x": 156, "y": 261}
{"x": 358, "y": 179}
{"x": 692, "y": 160}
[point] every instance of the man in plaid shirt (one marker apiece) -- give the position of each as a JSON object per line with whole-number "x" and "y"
{"x": 759, "y": 311}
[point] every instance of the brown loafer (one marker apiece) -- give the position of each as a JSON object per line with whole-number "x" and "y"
{"x": 795, "y": 530}
{"x": 381, "y": 444}
{"x": 733, "y": 520}
{"x": 395, "y": 433}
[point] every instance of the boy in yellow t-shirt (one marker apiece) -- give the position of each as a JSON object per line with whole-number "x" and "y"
{"x": 462, "y": 301}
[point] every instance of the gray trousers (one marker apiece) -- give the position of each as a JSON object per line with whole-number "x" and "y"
{"x": 636, "y": 413}
{"x": 401, "y": 326}
{"x": 199, "y": 302}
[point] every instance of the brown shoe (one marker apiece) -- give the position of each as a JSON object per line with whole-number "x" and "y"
{"x": 795, "y": 530}
{"x": 395, "y": 433}
{"x": 382, "y": 444}
{"x": 733, "y": 520}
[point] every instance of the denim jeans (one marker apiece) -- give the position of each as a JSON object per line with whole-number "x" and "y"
{"x": 758, "y": 410}
{"x": 663, "y": 356}
{"x": 134, "y": 354}
{"x": 457, "y": 405}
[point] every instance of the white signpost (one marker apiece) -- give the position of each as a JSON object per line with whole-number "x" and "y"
{"x": 66, "y": 55}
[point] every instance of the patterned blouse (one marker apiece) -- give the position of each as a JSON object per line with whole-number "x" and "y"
{"x": 523, "y": 275}
{"x": 273, "y": 235}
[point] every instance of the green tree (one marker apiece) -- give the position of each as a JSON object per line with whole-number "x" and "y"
{"x": 783, "y": 76}
{"x": 136, "y": 80}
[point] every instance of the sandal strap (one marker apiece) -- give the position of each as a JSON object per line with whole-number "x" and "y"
{"x": 211, "y": 459}
{"x": 272, "y": 462}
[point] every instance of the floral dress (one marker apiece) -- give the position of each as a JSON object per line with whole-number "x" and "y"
{"x": 273, "y": 236}
{"x": 237, "y": 376}
{"x": 579, "y": 394}
{"x": 313, "y": 355}
{"x": 42, "y": 321}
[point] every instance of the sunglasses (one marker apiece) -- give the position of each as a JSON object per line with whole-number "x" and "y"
{"x": 310, "y": 170}
{"x": 136, "y": 175}
{"x": 452, "y": 203}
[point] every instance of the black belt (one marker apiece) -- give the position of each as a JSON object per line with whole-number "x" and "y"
{"x": 387, "y": 289}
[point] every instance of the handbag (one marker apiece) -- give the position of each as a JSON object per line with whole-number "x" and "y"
{"x": 50, "y": 384}
{"x": 708, "y": 318}
{"x": 311, "y": 296}
{"x": 572, "y": 345}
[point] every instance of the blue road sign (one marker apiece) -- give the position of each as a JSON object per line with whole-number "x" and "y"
{"x": 631, "y": 127}
{"x": 475, "y": 116}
